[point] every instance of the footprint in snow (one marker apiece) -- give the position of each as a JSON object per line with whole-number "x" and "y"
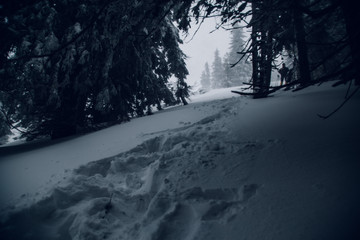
{"x": 220, "y": 204}
{"x": 178, "y": 224}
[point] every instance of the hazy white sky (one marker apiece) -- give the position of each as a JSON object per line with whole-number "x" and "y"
{"x": 202, "y": 47}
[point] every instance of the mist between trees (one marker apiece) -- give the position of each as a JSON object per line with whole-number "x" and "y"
{"x": 73, "y": 66}
{"x": 231, "y": 70}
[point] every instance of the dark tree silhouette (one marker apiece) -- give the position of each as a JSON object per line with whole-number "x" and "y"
{"x": 294, "y": 26}
{"x": 68, "y": 66}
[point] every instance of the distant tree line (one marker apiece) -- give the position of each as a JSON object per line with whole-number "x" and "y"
{"x": 69, "y": 65}
{"x": 232, "y": 69}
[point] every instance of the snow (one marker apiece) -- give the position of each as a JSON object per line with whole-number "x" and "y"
{"x": 32, "y": 173}
{"x": 222, "y": 167}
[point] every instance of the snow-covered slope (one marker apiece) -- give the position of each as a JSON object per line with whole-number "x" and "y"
{"x": 29, "y": 171}
{"x": 230, "y": 168}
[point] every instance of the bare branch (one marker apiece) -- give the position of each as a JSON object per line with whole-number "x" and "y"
{"x": 196, "y": 31}
{"x": 340, "y": 106}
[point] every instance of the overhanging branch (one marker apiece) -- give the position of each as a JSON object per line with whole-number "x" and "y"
{"x": 93, "y": 21}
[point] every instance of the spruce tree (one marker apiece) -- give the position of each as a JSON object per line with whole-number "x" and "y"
{"x": 294, "y": 26}
{"x": 206, "y": 78}
{"x": 67, "y": 66}
{"x": 217, "y": 74}
{"x": 228, "y": 71}
{"x": 239, "y": 68}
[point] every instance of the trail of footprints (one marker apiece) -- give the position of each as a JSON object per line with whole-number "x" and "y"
{"x": 177, "y": 214}
{"x": 152, "y": 173}
{"x": 197, "y": 206}
{"x": 138, "y": 192}
{"x": 167, "y": 212}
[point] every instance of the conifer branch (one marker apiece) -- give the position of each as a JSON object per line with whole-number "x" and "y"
{"x": 9, "y": 122}
{"x": 73, "y": 40}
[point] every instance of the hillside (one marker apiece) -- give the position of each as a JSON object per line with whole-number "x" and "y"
{"x": 223, "y": 167}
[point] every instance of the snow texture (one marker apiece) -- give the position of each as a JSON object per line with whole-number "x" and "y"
{"x": 220, "y": 168}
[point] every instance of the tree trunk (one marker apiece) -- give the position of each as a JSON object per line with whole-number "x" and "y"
{"x": 256, "y": 50}
{"x": 352, "y": 19}
{"x": 268, "y": 51}
{"x": 255, "y": 64}
{"x": 69, "y": 116}
{"x": 300, "y": 35}
{"x": 262, "y": 40}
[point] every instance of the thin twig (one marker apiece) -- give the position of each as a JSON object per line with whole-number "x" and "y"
{"x": 196, "y": 31}
{"x": 348, "y": 90}
{"x": 340, "y": 106}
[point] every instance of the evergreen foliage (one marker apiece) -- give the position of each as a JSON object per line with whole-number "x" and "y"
{"x": 238, "y": 69}
{"x": 232, "y": 69}
{"x": 294, "y": 26}
{"x": 4, "y": 128}
{"x": 71, "y": 65}
{"x": 67, "y": 66}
